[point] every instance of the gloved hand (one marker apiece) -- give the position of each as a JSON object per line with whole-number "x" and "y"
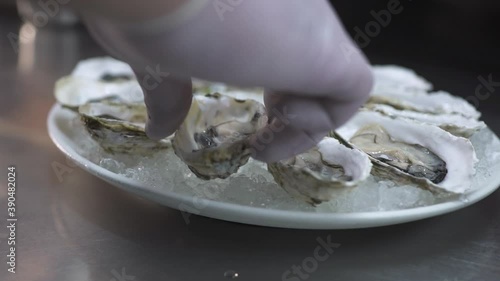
{"x": 315, "y": 78}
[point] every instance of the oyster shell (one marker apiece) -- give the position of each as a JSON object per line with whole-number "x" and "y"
{"x": 456, "y": 124}
{"x": 120, "y": 128}
{"x": 432, "y": 103}
{"x": 213, "y": 139}
{"x": 201, "y": 87}
{"x": 96, "y": 79}
{"x": 413, "y": 152}
{"x": 322, "y": 172}
{"x": 397, "y": 77}
{"x": 403, "y": 89}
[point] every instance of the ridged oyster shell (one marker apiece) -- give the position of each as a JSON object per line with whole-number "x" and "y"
{"x": 97, "y": 79}
{"x": 403, "y": 89}
{"x": 456, "y": 124}
{"x": 322, "y": 172}
{"x": 214, "y": 138}
{"x": 119, "y": 127}
{"x": 413, "y": 152}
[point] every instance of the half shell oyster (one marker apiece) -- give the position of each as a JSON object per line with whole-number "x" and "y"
{"x": 322, "y": 172}
{"x": 433, "y": 103}
{"x": 412, "y": 152}
{"x": 96, "y": 79}
{"x": 119, "y": 127}
{"x": 456, "y": 124}
{"x": 214, "y": 138}
{"x": 403, "y": 89}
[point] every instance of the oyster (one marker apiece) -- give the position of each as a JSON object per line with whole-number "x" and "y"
{"x": 213, "y": 139}
{"x": 322, "y": 172}
{"x": 120, "y": 128}
{"x": 403, "y": 89}
{"x": 205, "y": 87}
{"x": 397, "y": 77}
{"x": 96, "y": 79}
{"x": 456, "y": 124}
{"x": 413, "y": 152}
{"x": 432, "y": 103}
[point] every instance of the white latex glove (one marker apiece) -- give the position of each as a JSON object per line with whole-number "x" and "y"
{"x": 315, "y": 78}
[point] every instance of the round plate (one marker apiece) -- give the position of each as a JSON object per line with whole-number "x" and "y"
{"x": 60, "y": 134}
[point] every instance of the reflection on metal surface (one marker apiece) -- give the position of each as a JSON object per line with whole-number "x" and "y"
{"x": 26, "y": 58}
{"x": 231, "y": 274}
{"x": 11, "y": 130}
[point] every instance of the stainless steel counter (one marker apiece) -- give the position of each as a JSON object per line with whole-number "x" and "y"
{"x": 73, "y": 226}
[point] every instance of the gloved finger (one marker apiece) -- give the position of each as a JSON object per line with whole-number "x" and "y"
{"x": 167, "y": 99}
{"x": 296, "y": 124}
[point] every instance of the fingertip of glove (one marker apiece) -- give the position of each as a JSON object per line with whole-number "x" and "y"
{"x": 156, "y": 132}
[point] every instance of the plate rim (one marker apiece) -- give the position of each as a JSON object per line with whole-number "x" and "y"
{"x": 255, "y": 215}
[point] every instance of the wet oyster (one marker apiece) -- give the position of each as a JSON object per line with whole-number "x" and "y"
{"x": 96, "y": 79}
{"x": 213, "y": 140}
{"x": 120, "y": 128}
{"x": 205, "y": 87}
{"x": 322, "y": 172}
{"x": 412, "y": 152}
{"x": 456, "y": 124}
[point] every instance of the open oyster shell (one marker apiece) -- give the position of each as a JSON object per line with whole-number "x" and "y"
{"x": 403, "y": 89}
{"x": 413, "y": 152}
{"x": 120, "y": 128}
{"x": 213, "y": 139}
{"x": 456, "y": 124}
{"x": 433, "y": 103}
{"x": 322, "y": 172}
{"x": 96, "y": 79}
{"x": 201, "y": 87}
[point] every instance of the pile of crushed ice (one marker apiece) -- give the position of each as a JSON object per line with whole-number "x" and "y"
{"x": 254, "y": 186}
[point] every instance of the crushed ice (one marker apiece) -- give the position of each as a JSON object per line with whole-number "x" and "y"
{"x": 254, "y": 186}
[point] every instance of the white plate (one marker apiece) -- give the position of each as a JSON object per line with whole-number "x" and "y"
{"x": 60, "y": 133}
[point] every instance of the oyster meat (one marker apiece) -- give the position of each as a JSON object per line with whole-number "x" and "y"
{"x": 120, "y": 128}
{"x": 201, "y": 87}
{"x": 322, "y": 172}
{"x": 214, "y": 138}
{"x": 412, "y": 152}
